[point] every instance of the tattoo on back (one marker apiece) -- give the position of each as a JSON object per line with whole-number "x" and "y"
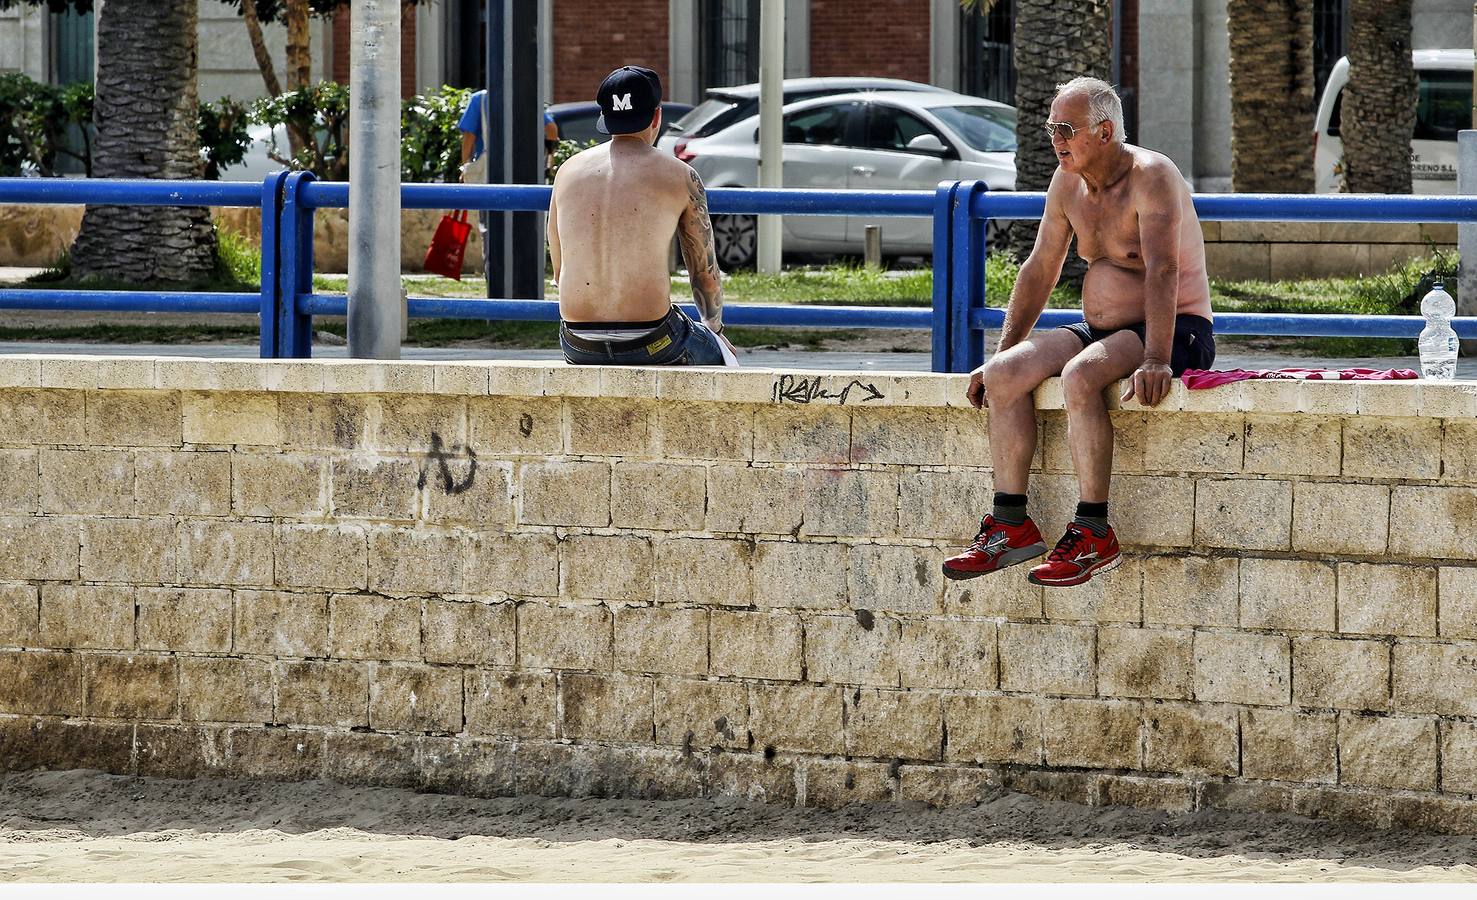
{"x": 698, "y": 250}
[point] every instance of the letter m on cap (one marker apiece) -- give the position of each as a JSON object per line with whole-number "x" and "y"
{"x": 618, "y": 102}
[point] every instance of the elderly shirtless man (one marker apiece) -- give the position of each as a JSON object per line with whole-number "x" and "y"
{"x": 611, "y": 220}
{"x": 1146, "y": 311}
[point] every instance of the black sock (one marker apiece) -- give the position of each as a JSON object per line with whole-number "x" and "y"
{"x": 1093, "y": 516}
{"x": 1010, "y": 509}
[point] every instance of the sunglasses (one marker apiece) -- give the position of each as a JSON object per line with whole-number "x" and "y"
{"x": 1068, "y": 131}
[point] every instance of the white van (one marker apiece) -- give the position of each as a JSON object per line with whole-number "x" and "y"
{"x": 1443, "y": 107}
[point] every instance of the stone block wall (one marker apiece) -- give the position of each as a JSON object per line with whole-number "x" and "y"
{"x": 554, "y": 580}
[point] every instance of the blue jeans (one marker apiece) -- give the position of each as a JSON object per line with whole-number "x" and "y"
{"x": 679, "y": 341}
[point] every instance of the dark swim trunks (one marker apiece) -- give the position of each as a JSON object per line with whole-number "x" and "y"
{"x": 1194, "y": 345}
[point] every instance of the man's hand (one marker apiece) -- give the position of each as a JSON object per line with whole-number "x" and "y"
{"x": 976, "y": 390}
{"x": 1150, "y": 383}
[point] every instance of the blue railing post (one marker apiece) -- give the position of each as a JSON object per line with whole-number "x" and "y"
{"x": 295, "y": 274}
{"x": 271, "y": 291}
{"x": 943, "y": 267}
{"x": 966, "y": 348}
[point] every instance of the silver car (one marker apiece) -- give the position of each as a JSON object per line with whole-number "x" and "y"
{"x": 873, "y": 140}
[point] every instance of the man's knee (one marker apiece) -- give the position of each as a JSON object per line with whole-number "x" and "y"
{"x": 1082, "y": 382}
{"x": 1007, "y": 375}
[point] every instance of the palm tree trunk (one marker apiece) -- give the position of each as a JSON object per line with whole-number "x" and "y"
{"x": 1379, "y": 102}
{"x": 146, "y": 114}
{"x": 1271, "y": 95}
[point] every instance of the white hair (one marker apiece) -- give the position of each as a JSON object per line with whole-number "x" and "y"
{"x": 1103, "y": 104}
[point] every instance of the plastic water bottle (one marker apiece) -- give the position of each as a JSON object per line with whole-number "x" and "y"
{"x": 1438, "y": 341}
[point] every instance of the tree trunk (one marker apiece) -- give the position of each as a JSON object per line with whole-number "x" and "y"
{"x": 146, "y": 115}
{"x": 259, "y": 47}
{"x": 1378, "y": 116}
{"x": 1055, "y": 41}
{"x": 1271, "y": 95}
{"x": 299, "y": 48}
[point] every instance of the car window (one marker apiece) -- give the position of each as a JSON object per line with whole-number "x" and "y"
{"x": 824, "y": 125}
{"x": 1336, "y": 115}
{"x": 989, "y": 129}
{"x": 707, "y": 117}
{"x": 580, "y": 128}
{"x": 1443, "y": 104}
{"x": 890, "y": 128}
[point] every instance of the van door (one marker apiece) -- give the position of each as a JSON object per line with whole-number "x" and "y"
{"x": 1443, "y": 107}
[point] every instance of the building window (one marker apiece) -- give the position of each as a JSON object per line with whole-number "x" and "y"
{"x": 1330, "y": 23}
{"x": 989, "y": 62}
{"x": 730, "y": 43}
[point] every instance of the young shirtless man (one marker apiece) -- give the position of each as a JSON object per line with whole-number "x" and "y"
{"x": 611, "y": 220}
{"x": 1146, "y": 306}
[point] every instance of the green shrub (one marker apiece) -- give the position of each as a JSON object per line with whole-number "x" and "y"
{"x": 317, "y": 122}
{"x": 223, "y": 135}
{"x": 430, "y": 142}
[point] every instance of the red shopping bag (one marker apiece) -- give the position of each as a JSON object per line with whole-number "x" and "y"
{"x": 448, "y": 246}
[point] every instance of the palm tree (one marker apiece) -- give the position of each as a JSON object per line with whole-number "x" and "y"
{"x": 1271, "y": 95}
{"x": 1378, "y": 116}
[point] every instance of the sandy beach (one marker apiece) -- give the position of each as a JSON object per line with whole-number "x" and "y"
{"x": 86, "y": 826}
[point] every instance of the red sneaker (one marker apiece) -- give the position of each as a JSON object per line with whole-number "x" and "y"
{"x": 1078, "y": 556}
{"x": 996, "y": 546}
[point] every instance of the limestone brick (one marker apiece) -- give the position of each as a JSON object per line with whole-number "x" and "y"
{"x": 646, "y": 773}
{"x": 470, "y": 378}
{"x": 375, "y": 488}
{"x": 1114, "y": 596}
{"x": 87, "y": 617}
{"x": 371, "y": 759}
{"x": 226, "y": 553}
{"x": 571, "y": 637}
{"x": 941, "y": 653}
{"x": 1389, "y": 447}
{"x": 1198, "y": 443}
{"x": 20, "y": 615}
{"x": 1283, "y": 745}
{"x": 796, "y": 434}
{"x": 860, "y": 649}
{"x": 1427, "y": 522}
{"x": 218, "y": 689}
{"x": 605, "y": 426}
{"x": 756, "y": 645}
{"x": 1457, "y": 601}
{"x": 894, "y": 724}
{"x": 1170, "y": 795}
{"x": 803, "y": 718}
{"x": 182, "y": 483}
{"x": 606, "y": 707}
{"x": 895, "y": 579}
{"x": 134, "y": 550}
{"x": 513, "y": 426}
{"x": 194, "y": 620}
{"x": 512, "y": 704}
{"x": 710, "y": 572}
{"x": 1244, "y": 514}
{"x": 1129, "y": 433}
{"x": 323, "y": 421}
{"x": 561, "y": 770}
{"x": 31, "y": 417}
{"x": 414, "y": 561}
{"x": 1242, "y": 668}
{"x": 630, "y": 381}
{"x": 1292, "y": 445}
{"x": 179, "y": 751}
{"x": 1340, "y": 518}
{"x": 511, "y": 565}
{"x": 799, "y": 576}
{"x": 60, "y": 744}
{"x": 40, "y": 683}
{"x": 517, "y": 379}
{"x": 39, "y": 548}
{"x": 1092, "y": 734}
{"x": 467, "y": 490}
{"x": 756, "y": 501}
{"x": 606, "y": 567}
{"x": 1435, "y": 678}
{"x": 469, "y": 632}
{"x": 850, "y": 503}
{"x": 1183, "y": 739}
{"x": 472, "y": 767}
{"x": 417, "y": 424}
{"x": 277, "y": 484}
{"x": 1048, "y": 659}
{"x": 1332, "y": 673}
{"x": 281, "y": 754}
{"x": 133, "y": 419}
{"x": 658, "y": 496}
{"x": 993, "y": 729}
{"x": 1145, "y": 662}
{"x": 565, "y": 493}
{"x": 322, "y": 556}
{"x": 576, "y": 381}
{"x": 1387, "y": 752}
{"x": 752, "y": 778}
{"x": 20, "y": 481}
{"x": 1459, "y": 451}
{"x": 702, "y": 714}
{"x": 366, "y": 626}
{"x": 1191, "y": 590}
{"x": 1459, "y": 757}
{"x": 1376, "y": 599}
{"x": 83, "y": 482}
{"x": 321, "y": 693}
{"x": 275, "y": 623}
{"x": 655, "y": 639}
{"x": 1006, "y": 594}
{"x": 229, "y": 418}
{"x": 694, "y": 431}
{"x": 1151, "y": 510}
{"x": 415, "y": 698}
{"x": 130, "y": 687}
{"x": 835, "y": 783}
{"x": 898, "y": 436}
{"x": 942, "y": 788}
{"x": 942, "y": 505}
{"x": 966, "y": 435}
{"x": 1287, "y": 594}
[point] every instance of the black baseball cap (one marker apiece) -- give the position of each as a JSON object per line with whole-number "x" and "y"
{"x": 628, "y": 97}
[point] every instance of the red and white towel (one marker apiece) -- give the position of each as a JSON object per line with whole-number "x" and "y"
{"x": 1199, "y": 379}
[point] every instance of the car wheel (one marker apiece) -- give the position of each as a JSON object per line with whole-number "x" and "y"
{"x": 736, "y": 239}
